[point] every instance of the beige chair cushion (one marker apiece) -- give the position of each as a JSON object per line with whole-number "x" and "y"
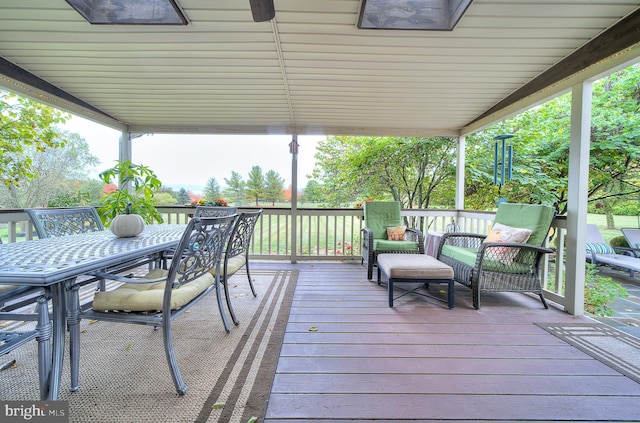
{"x": 234, "y": 264}
{"x": 7, "y": 288}
{"x": 149, "y": 296}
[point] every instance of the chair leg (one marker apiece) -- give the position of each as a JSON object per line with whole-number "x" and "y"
{"x": 223, "y": 315}
{"x": 544, "y": 301}
{"x": 246, "y": 266}
{"x": 181, "y": 388}
{"x": 476, "y": 296}
{"x": 227, "y": 297}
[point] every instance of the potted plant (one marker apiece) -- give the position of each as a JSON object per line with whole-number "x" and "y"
{"x": 137, "y": 200}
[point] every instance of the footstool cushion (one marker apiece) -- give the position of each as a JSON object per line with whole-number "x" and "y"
{"x": 412, "y": 268}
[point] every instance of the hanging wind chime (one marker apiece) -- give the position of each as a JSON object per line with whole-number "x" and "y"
{"x": 502, "y": 162}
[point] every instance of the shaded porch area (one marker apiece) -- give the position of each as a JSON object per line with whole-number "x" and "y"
{"x": 347, "y": 356}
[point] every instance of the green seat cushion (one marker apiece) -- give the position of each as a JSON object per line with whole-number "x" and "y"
{"x": 149, "y": 296}
{"x": 379, "y": 215}
{"x": 382, "y": 245}
{"x": 462, "y": 254}
{"x": 468, "y": 257}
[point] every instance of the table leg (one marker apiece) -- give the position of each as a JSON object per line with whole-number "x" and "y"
{"x": 59, "y": 311}
{"x": 73, "y": 319}
{"x": 44, "y": 329}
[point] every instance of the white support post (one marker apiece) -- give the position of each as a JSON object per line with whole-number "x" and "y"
{"x": 293, "y": 149}
{"x": 460, "y": 164}
{"x": 577, "y": 197}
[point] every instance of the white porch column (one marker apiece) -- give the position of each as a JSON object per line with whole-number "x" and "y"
{"x": 293, "y": 149}
{"x": 125, "y": 146}
{"x": 460, "y": 163}
{"x": 124, "y": 152}
{"x": 577, "y": 197}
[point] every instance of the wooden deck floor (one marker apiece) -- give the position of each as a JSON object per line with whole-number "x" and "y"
{"x": 347, "y": 356}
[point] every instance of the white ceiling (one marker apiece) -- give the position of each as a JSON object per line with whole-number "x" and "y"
{"x": 309, "y": 71}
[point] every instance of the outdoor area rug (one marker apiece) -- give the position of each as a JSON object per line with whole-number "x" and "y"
{"x": 124, "y": 375}
{"x": 615, "y": 348}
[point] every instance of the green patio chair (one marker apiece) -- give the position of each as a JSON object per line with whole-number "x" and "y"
{"x": 506, "y": 260}
{"x": 380, "y": 219}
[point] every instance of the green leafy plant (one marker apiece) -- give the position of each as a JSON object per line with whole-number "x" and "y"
{"x": 599, "y": 292}
{"x": 143, "y": 184}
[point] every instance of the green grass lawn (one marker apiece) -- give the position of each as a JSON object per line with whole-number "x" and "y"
{"x": 619, "y": 221}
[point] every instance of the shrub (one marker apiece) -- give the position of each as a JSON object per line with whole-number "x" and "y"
{"x": 599, "y": 292}
{"x": 619, "y": 241}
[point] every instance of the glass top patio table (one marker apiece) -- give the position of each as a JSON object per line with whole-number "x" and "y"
{"x": 52, "y": 263}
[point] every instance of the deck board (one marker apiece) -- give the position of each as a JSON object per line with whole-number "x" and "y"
{"x": 347, "y": 356}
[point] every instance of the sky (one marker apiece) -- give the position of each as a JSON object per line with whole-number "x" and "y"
{"x": 189, "y": 161}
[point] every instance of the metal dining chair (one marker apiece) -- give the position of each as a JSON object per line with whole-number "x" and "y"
{"x": 26, "y": 304}
{"x": 50, "y": 223}
{"x": 162, "y": 295}
{"x": 236, "y": 254}
{"x": 215, "y": 211}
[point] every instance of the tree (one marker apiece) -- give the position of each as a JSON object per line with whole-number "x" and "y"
{"x": 183, "y": 197}
{"x": 415, "y": 171}
{"x": 255, "y": 184}
{"x": 541, "y": 145}
{"x": 58, "y": 176}
{"x": 25, "y": 126}
{"x": 164, "y": 199}
{"x": 212, "y": 190}
{"x": 273, "y": 187}
{"x": 313, "y": 192}
{"x": 235, "y": 188}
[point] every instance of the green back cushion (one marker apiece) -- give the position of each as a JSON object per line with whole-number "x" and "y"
{"x": 535, "y": 217}
{"x": 378, "y": 215}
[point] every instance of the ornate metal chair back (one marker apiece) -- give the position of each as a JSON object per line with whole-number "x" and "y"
{"x": 50, "y": 223}
{"x": 215, "y": 211}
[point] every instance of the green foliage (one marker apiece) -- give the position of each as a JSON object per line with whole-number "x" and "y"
{"x": 183, "y": 197}
{"x": 599, "y": 292}
{"x": 627, "y": 208}
{"x": 313, "y": 192}
{"x": 273, "y": 187}
{"x": 58, "y": 177}
{"x": 235, "y": 188}
{"x": 255, "y": 184}
{"x": 619, "y": 241}
{"x": 25, "y": 126}
{"x": 212, "y": 190}
{"x": 142, "y": 183}
{"x": 416, "y": 171}
{"x": 164, "y": 199}
{"x": 541, "y": 146}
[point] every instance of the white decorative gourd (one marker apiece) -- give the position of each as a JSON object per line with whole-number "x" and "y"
{"x": 127, "y": 225}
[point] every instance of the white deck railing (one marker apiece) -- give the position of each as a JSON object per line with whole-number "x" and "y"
{"x": 329, "y": 234}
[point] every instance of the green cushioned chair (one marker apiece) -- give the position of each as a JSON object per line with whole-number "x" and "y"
{"x": 163, "y": 295}
{"x": 501, "y": 266}
{"x": 378, "y": 216}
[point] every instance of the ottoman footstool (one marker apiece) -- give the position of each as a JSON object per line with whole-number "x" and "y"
{"x": 415, "y": 268}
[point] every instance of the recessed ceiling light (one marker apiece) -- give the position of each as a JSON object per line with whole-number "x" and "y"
{"x": 128, "y": 12}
